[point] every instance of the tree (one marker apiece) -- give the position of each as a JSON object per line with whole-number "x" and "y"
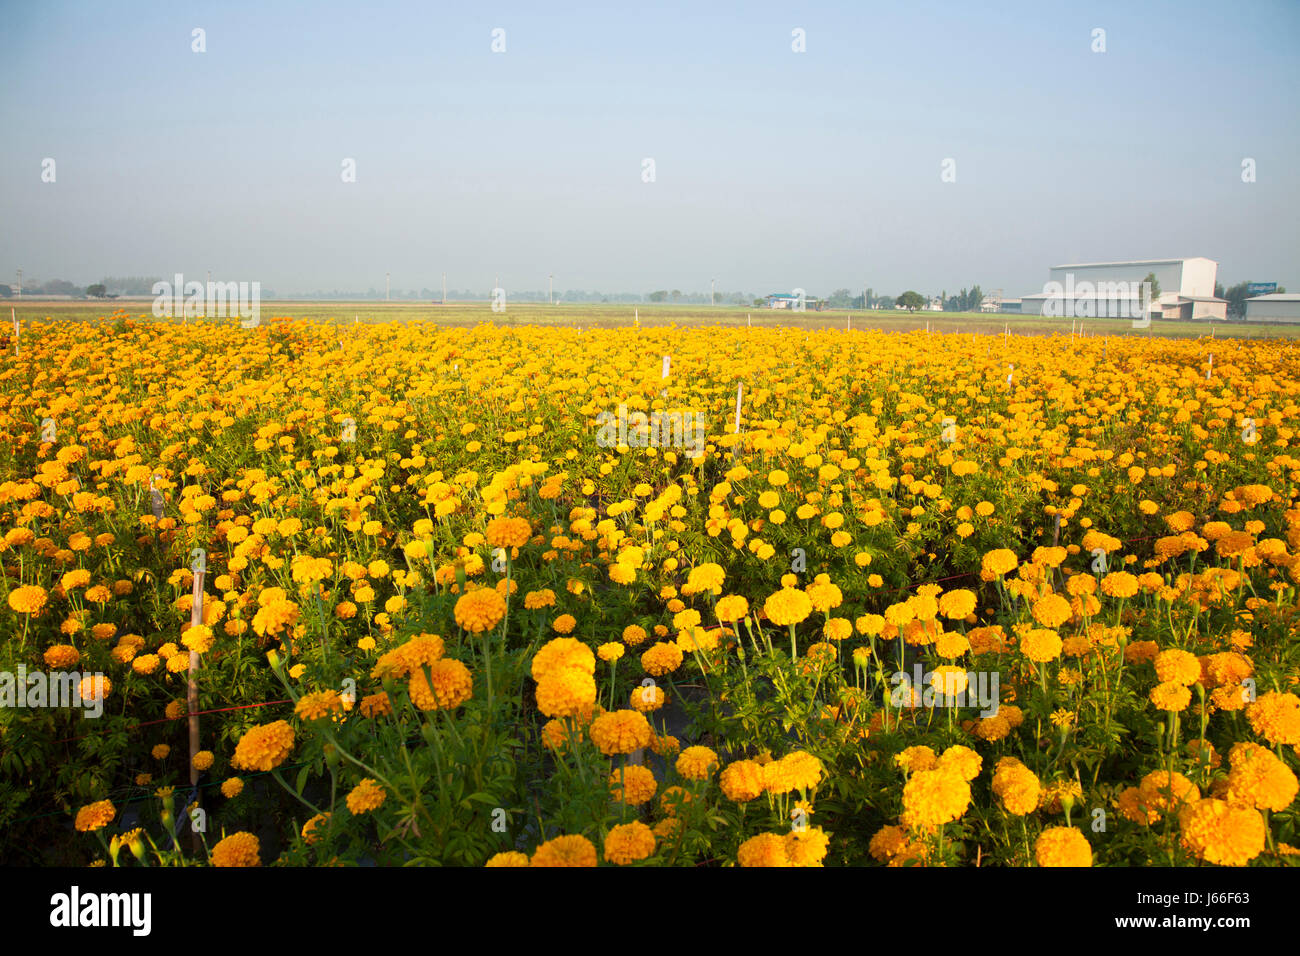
{"x": 1155, "y": 286}
{"x": 97, "y": 291}
{"x": 659, "y": 295}
{"x": 910, "y": 300}
{"x": 5, "y": 292}
{"x": 1236, "y": 297}
{"x": 840, "y": 299}
{"x": 677, "y": 294}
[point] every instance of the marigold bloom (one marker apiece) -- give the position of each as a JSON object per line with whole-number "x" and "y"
{"x": 696, "y": 763}
{"x": 573, "y": 850}
{"x": 366, "y": 796}
{"x": 620, "y": 732}
{"x": 787, "y": 606}
{"x": 479, "y": 610}
{"x": 452, "y": 685}
{"x": 238, "y": 849}
{"x": 629, "y": 842}
{"x": 508, "y": 858}
{"x": 934, "y": 797}
{"x": 765, "y": 849}
{"x": 741, "y": 781}
{"x": 1062, "y": 846}
{"x": 1221, "y": 833}
{"x": 638, "y": 781}
{"x": 95, "y": 816}
{"x": 264, "y": 747}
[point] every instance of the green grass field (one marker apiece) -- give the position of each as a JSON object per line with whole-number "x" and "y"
{"x": 600, "y": 315}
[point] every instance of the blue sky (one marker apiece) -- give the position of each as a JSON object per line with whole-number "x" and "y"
{"x": 773, "y": 169}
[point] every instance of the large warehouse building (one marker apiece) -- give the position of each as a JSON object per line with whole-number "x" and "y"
{"x": 1275, "y": 307}
{"x": 1114, "y": 288}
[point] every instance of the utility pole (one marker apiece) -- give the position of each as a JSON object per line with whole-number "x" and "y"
{"x": 444, "y": 288}
{"x": 711, "y": 282}
{"x": 550, "y": 290}
{"x": 387, "y": 285}
{"x": 20, "y": 283}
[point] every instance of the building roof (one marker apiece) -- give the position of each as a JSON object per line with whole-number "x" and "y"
{"x": 1275, "y": 297}
{"x": 1131, "y": 262}
{"x": 1199, "y": 298}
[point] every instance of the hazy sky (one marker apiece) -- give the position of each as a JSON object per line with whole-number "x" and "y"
{"x": 773, "y": 169}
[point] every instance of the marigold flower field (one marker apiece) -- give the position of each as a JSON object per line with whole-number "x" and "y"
{"x": 929, "y": 600}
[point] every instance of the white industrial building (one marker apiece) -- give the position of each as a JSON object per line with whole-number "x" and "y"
{"x": 1100, "y": 289}
{"x": 1275, "y": 307}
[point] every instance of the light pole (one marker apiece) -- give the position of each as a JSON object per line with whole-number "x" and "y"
{"x": 711, "y": 283}
{"x": 444, "y": 288}
{"x": 387, "y": 285}
{"x": 550, "y": 289}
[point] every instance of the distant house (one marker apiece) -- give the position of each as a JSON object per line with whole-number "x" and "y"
{"x": 790, "y": 301}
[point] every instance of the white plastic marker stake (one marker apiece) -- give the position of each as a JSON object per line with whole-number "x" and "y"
{"x": 1011, "y": 370}
{"x": 748, "y": 321}
{"x": 14, "y": 315}
{"x": 664, "y": 376}
{"x": 636, "y": 316}
{"x": 1210, "y": 368}
{"x": 740, "y": 389}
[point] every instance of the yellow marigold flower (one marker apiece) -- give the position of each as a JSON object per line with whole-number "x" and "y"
{"x": 1259, "y": 778}
{"x": 787, "y": 606}
{"x": 567, "y": 692}
{"x": 480, "y": 610}
{"x": 366, "y": 796}
{"x": 1221, "y": 833}
{"x": 28, "y": 599}
{"x": 999, "y": 562}
{"x": 634, "y": 634}
{"x": 1119, "y": 584}
{"x": 62, "y": 656}
{"x": 95, "y": 816}
{"x": 696, "y": 763}
{"x": 647, "y": 698}
{"x": 1161, "y": 791}
{"x": 452, "y": 685}
{"x": 620, "y": 732}
{"x": 1275, "y": 716}
{"x": 565, "y": 851}
{"x": 203, "y": 760}
{"x": 806, "y": 846}
{"x": 509, "y": 532}
{"x": 662, "y": 658}
{"x": 1171, "y": 696}
{"x": 232, "y": 788}
{"x": 1052, "y": 610}
{"x": 1041, "y": 645}
{"x": 535, "y": 600}
{"x": 956, "y": 605}
{"x": 913, "y": 759}
{"x": 741, "y": 781}
{"x": 962, "y": 761}
{"x": 629, "y": 842}
{"x": 508, "y": 858}
{"x": 705, "y": 577}
{"x": 564, "y": 624}
{"x": 765, "y": 849}
{"x": 1062, "y": 846}
{"x": 264, "y": 747}
{"x": 934, "y": 797}
{"x": 238, "y": 849}
{"x": 560, "y": 654}
{"x": 639, "y": 782}
{"x": 309, "y": 828}
{"x": 610, "y": 651}
{"x": 319, "y": 705}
